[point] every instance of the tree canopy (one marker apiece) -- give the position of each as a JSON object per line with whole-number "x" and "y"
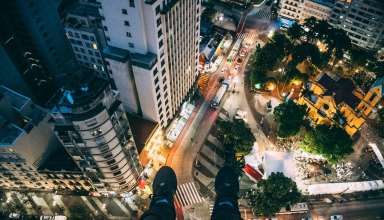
{"x": 331, "y": 142}
{"x": 295, "y": 32}
{"x": 272, "y": 194}
{"x": 304, "y": 51}
{"x": 236, "y": 135}
{"x": 290, "y": 118}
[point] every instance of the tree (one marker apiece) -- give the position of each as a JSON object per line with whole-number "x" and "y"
{"x": 295, "y": 32}
{"x": 304, "y": 51}
{"x": 236, "y": 136}
{"x": 322, "y": 30}
{"x": 272, "y": 194}
{"x": 78, "y": 212}
{"x": 332, "y": 142}
{"x": 290, "y": 117}
{"x": 359, "y": 57}
{"x": 309, "y": 24}
{"x": 338, "y": 42}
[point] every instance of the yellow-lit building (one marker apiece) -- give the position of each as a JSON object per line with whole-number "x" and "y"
{"x": 332, "y": 100}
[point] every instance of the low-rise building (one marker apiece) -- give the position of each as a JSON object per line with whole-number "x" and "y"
{"x": 332, "y": 100}
{"x": 299, "y": 10}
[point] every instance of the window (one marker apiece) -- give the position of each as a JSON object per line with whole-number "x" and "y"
{"x": 162, "y": 63}
{"x": 158, "y": 22}
{"x": 155, "y": 71}
{"x": 117, "y": 173}
{"x": 157, "y": 9}
{"x": 126, "y": 23}
{"x": 131, "y": 45}
{"x": 128, "y": 34}
{"x": 108, "y": 39}
{"x": 85, "y": 37}
{"x": 124, "y": 11}
{"x": 157, "y": 89}
{"x": 158, "y": 96}
{"x": 105, "y": 28}
{"x": 156, "y": 80}
{"x": 132, "y": 3}
{"x": 163, "y": 72}
{"x": 161, "y": 43}
{"x": 373, "y": 96}
{"x": 159, "y": 33}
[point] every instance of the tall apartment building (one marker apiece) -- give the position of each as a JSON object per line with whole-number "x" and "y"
{"x": 299, "y": 10}
{"x": 362, "y": 20}
{"x": 83, "y": 28}
{"x": 29, "y": 149}
{"x": 20, "y": 69}
{"x": 152, "y": 53}
{"x": 37, "y": 26}
{"x": 93, "y": 127}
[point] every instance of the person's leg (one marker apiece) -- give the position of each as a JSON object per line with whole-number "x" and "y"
{"x": 227, "y": 189}
{"x": 164, "y": 188}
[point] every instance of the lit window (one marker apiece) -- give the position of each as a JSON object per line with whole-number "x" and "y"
{"x": 94, "y": 46}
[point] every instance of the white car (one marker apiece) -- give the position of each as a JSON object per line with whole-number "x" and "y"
{"x": 336, "y": 217}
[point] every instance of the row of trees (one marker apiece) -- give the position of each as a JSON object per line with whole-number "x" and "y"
{"x": 332, "y": 142}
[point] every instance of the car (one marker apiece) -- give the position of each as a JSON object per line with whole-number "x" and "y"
{"x": 336, "y": 217}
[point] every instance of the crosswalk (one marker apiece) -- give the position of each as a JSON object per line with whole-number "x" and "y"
{"x": 187, "y": 195}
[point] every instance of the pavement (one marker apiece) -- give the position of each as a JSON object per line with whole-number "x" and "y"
{"x": 354, "y": 210}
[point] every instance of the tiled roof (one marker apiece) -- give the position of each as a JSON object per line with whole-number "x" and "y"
{"x": 341, "y": 89}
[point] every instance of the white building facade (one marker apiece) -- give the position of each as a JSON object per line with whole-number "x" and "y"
{"x": 299, "y": 10}
{"x": 362, "y": 20}
{"x": 93, "y": 127}
{"x": 152, "y": 53}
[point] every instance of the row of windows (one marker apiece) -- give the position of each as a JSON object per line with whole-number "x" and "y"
{"x": 82, "y": 36}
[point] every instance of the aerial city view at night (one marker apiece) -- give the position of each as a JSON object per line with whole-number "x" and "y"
{"x": 192, "y": 110}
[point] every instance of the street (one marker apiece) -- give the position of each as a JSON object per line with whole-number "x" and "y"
{"x": 355, "y": 210}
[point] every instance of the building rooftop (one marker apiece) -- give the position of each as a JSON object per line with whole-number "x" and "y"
{"x": 146, "y": 61}
{"x": 84, "y": 10}
{"x": 379, "y": 83}
{"x": 142, "y": 129}
{"x": 341, "y": 89}
{"x": 9, "y": 132}
{"x": 17, "y": 100}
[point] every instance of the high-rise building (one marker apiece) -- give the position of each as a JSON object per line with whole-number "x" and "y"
{"x": 362, "y": 20}
{"x": 83, "y": 28}
{"x": 93, "y": 127}
{"x": 152, "y": 53}
{"x": 29, "y": 149}
{"x": 20, "y": 69}
{"x": 299, "y": 10}
{"x": 37, "y": 27}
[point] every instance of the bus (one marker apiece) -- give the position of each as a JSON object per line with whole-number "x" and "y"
{"x": 219, "y": 95}
{"x": 234, "y": 51}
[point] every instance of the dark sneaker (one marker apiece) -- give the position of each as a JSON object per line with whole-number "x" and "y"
{"x": 226, "y": 182}
{"x": 164, "y": 188}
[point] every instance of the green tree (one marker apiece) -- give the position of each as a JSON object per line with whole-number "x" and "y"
{"x": 295, "y": 32}
{"x": 78, "y": 212}
{"x": 272, "y": 194}
{"x": 359, "y": 57}
{"x": 309, "y": 24}
{"x": 306, "y": 51}
{"x": 338, "y": 42}
{"x": 332, "y": 142}
{"x": 290, "y": 118}
{"x": 236, "y": 135}
{"x": 322, "y": 30}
